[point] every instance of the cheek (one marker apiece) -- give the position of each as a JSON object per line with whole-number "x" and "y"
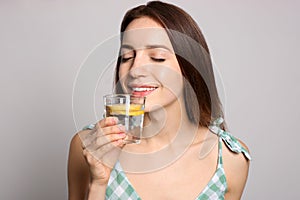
{"x": 171, "y": 80}
{"x": 171, "y": 89}
{"x": 123, "y": 74}
{"x": 175, "y": 66}
{"x": 174, "y": 79}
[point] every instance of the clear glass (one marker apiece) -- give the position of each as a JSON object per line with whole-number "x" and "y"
{"x": 129, "y": 110}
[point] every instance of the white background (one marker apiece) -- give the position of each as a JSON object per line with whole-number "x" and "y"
{"x": 43, "y": 43}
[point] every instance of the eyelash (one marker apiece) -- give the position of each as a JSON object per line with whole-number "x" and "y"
{"x": 158, "y": 59}
{"x": 124, "y": 60}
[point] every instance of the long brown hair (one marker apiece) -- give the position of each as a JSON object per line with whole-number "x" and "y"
{"x": 194, "y": 60}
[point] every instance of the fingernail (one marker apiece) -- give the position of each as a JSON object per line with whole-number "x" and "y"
{"x": 122, "y": 134}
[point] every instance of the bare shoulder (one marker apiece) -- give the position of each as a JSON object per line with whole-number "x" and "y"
{"x": 244, "y": 145}
{"x": 76, "y": 141}
{"x": 236, "y": 167}
{"x": 76, "y": 158}
{"x": 75, "y": 150}
{"x": 78, "y": 170}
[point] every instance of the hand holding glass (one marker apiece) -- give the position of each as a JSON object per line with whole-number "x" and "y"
{"x": 129, "y": 110}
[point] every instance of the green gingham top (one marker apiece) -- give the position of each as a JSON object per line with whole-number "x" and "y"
{"x": 119, "y": 187}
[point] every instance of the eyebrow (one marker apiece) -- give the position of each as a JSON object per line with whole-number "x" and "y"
{"x": 126, "y": 46}
{"x": 154, "y": 46}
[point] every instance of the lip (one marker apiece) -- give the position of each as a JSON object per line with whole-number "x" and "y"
{"x": 148, "y": 85}
{"x": 142, "y": 90}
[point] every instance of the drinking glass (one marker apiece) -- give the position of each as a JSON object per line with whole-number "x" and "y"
{"x": 129, "y": 110}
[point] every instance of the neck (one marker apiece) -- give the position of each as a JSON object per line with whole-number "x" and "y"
{"x": 167, "y": 134}
{"x": 164, "y": 124}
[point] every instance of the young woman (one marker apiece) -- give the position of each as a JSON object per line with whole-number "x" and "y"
{"x": 185, "y": 152}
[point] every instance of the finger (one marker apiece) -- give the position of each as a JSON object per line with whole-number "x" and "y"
{"x": 110, "y": 134}
{"x": 112, "y": 130}
{"x": 110, "y": 138}
{"x": 99, "y": 141}
{"x": 110, "y": 151}
{"x": 108, "y": 121}
{"x": 111, "y": 157}
{"x": 119, "y": 128}
{"x": 86, "y": 137}
{"x": 98, "y": 137}
{"x": 116, "y": 145}
{"x": 107, "y": 155}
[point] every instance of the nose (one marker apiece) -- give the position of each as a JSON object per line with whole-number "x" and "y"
{"x": 137, "y": 68}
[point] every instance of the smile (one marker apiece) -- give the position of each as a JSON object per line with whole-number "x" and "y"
{"x": 143, "y": 90}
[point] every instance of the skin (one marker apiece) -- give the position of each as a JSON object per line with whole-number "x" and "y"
{"x": 88, "y": 177}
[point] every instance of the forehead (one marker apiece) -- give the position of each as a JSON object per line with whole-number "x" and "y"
{"x": 144, "y": 32}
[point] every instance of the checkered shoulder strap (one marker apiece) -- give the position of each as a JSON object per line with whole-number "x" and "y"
{"x": 89, "y": 127}
{"x": 230, "y": 141}
{"x": 119, "y": 187}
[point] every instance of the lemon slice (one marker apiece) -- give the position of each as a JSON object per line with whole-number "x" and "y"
{"x": 120, "y": 109}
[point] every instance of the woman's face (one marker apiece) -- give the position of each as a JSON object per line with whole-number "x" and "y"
{"x": 148, "y": 64}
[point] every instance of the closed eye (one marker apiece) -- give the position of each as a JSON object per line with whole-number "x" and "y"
{"x": 123, "y": 60}
{"x": 158, "y": 59}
